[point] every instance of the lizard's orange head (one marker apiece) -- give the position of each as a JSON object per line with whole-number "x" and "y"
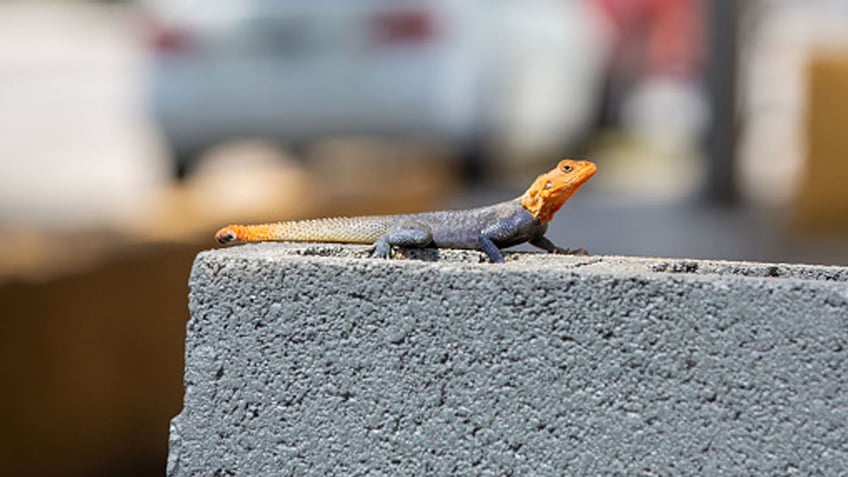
{"x": 550, "y": 190}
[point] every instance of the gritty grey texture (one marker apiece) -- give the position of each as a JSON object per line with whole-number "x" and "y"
{"x": 311, "y": 360}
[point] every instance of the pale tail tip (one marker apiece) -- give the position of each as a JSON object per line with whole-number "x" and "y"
{"x": 226, "y": 235}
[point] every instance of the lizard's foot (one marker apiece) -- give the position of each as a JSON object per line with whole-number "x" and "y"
{"x": 569, "y": 251}
{"x": 381, "y": 249}
{"x": 550, "y": 247}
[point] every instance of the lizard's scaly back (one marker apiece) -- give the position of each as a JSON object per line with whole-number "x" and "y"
{"x": 336, "y": 229}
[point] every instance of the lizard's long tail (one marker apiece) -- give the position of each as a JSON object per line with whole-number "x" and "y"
{"x": 336, "y": 229}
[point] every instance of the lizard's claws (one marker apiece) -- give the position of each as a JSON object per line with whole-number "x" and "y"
{"x": 381, "y": 249}
{"x": 576, "y": 251}
{"x": 379, "y": 254}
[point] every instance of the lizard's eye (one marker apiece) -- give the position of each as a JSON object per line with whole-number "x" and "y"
{"x": 567, "y": 168}
{"x": 549, "y": 185}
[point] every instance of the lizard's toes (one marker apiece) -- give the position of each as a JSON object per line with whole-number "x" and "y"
{"x": 381, "y": 249}
{"x": 571, "y": 251}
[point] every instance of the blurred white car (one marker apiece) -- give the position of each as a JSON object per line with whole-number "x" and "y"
{"x": 519, "y": 73}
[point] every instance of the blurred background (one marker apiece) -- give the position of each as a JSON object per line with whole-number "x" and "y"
{"x": 130, "y": 131}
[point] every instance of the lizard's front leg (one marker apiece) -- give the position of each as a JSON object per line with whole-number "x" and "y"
{"x": 411, "y": 234}
{"x": 500, "y": 230}
{"x": 491, "y": 249}
{"x": 545, "y": 244}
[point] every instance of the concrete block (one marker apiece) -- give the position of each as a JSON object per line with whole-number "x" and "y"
{"x": 311, "y": 360}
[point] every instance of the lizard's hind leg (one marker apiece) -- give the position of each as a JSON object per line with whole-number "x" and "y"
{"x": 409, "y": 234}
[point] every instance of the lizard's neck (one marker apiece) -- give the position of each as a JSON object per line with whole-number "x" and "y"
{"x": 543, "y": 206}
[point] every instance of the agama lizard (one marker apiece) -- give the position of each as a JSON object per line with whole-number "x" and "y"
{"x": 491, "y": 228}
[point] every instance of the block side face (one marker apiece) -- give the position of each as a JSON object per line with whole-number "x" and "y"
{"x": 308, "y": 366}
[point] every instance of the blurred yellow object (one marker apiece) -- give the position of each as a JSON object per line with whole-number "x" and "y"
{"x": 822, "y": 205}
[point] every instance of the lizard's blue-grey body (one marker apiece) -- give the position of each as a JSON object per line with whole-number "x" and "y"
{"x": 487, "y": 228}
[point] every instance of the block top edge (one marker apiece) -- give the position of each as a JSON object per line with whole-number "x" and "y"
{"x": 530, "y": 261}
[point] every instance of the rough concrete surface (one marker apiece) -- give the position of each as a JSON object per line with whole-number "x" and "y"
{"x": 310, "y": 360}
